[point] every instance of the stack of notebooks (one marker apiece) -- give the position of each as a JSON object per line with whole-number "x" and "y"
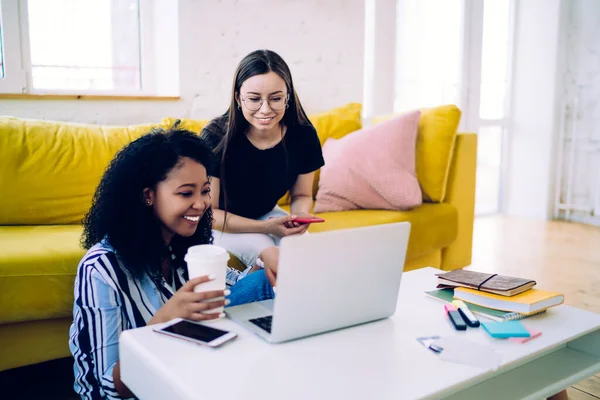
{"x": 497, "y": 297}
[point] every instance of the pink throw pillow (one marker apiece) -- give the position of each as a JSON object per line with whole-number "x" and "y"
{"x": 373, "y": 168}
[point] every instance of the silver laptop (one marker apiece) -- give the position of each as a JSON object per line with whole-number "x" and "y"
{"x": 330, "y": 280}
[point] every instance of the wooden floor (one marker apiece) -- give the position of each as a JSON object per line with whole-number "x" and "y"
{"x": 560, "y": 256}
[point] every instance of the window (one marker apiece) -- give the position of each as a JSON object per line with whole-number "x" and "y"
{"x": 458, "y": 52}
{"x": 495, "y": 57}
{"x": 429, "y": 53}
{"x": 88, "y": 47}
{"x": 489, "y": 157}
{"x": 10, "y": 56}
{"x": 1, "y": 52}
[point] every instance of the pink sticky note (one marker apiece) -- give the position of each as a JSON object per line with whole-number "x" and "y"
{"x": 532, "y": 332}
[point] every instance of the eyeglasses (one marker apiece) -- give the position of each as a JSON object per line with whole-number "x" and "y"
{"x": 276, "y": 103}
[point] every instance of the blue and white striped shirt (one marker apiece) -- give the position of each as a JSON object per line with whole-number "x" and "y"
{"x": 109, "y": 300}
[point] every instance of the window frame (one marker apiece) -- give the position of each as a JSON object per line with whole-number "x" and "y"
{"x": 503, "y": 123}
{"x": 471, "y": 95}
{"x": 17, "y": 55}
{"x": 14, "y": 80}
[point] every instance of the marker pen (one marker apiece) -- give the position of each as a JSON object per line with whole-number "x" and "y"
{"x": 467, "y": 315}
{"x": 455, "y": 318}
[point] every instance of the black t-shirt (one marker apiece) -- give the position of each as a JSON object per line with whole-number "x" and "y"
{"x": 256, "y": 179}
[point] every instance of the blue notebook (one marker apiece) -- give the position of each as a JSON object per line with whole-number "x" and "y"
{"x": 505, "y": 329}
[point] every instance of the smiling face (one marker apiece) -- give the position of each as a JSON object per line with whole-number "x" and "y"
{"x": 180, "y": 200}
{"x": 260, "y": 88}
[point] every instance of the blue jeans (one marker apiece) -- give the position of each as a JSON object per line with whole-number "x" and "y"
{"x": 254, "y": 287}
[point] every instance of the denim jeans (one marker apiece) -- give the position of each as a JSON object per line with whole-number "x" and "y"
{"x": 254, "y": 287}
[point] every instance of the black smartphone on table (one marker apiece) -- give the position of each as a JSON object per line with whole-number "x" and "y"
{"x": 195, "y": 332}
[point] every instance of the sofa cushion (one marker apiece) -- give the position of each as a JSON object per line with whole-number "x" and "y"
{"x": 37, "y": 271}
{"x": 33, "y": 342}
{"x": 435, "y": 146}
{"x": 338, "y": 122}
{"x": 50, "y": 170}
{"x": 192, "y": 125}
{"x": 433, "y": 226}
{"x": 373, "y": 168}
{"x": 335, "y": 124}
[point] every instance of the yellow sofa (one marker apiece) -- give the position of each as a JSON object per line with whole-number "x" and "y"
{"x": 49, "y": 171}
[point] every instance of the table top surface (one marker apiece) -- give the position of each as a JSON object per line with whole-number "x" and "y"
{"x": 381, "y": 359}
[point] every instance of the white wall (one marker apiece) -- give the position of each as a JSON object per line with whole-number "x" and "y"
{"x": 581, "y": 82}
{"x": 322, "y": 42}
{"x": 534, "y": 108}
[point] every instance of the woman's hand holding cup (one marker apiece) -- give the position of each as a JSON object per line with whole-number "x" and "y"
{"x": 191, "y": 305}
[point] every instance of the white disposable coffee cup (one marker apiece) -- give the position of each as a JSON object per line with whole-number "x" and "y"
{"x": 208, "y": 259}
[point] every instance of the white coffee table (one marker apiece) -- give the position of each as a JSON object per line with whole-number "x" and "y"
{"x": 379, "y": 360}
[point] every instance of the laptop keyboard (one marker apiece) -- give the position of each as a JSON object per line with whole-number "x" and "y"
{"x": 263, "y": 322}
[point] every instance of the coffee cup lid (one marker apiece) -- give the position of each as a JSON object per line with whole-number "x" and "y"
{"x": 207, "y": 252}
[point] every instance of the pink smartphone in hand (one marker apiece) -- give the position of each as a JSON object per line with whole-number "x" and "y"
{"x": 308, "y": 220}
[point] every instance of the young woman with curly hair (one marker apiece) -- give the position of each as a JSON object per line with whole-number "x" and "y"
{"x": 152, "y": 204}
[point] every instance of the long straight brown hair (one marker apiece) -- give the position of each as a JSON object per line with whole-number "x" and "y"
{"x": 258, "y": 62}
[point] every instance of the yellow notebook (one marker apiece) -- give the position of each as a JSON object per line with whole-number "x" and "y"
{"x": 530, "y": 301}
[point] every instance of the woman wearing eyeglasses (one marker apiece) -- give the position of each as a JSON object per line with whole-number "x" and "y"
{"x": 267, "y": 146}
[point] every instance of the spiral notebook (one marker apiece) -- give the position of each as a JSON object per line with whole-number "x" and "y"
{"x": 530, "y": 301}
{"x": 447, "y": 295}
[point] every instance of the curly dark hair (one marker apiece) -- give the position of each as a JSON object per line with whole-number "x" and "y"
{"x": 118, "y": 213}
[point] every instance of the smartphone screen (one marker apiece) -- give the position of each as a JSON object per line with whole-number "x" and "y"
{"x": 198, "y": 332}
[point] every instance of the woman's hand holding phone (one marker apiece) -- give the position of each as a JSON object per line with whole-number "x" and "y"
{"x": 188, "y": 304}
{"x": 303, "y": 218}
{"x": 308, "y": 220}
{"x": 284, "y": 226}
